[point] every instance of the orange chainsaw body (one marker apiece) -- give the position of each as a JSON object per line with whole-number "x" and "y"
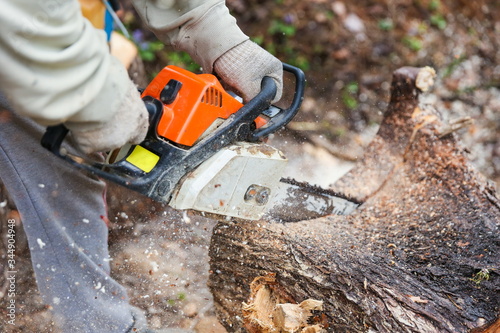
{"x": 197, "y": 102}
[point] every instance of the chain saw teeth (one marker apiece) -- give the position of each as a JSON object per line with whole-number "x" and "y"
{"x": 314, "y": 189}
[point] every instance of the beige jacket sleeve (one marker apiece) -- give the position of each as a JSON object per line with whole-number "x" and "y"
{"x": 203, "y": 28}
{"x": 55, "y": 67}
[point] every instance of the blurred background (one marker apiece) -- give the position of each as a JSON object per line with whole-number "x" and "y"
{"x": 348, "y": 50}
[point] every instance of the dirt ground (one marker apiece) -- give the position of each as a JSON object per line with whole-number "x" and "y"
{"x": 348, "y": 52}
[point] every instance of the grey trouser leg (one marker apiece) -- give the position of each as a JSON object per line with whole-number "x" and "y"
{"x": 63, "y": 213}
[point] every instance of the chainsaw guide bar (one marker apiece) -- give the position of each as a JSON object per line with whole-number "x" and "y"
{"x": 299, "y": 201}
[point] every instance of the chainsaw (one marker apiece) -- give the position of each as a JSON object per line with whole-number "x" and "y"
{"x": 205, "y": 151}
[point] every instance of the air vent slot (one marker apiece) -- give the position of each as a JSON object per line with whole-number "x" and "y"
{"x": 212, "y": 97}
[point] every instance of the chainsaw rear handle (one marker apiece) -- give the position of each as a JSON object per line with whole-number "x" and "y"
{"x": 54, "y": 136}
{"x": 285, "y": 115}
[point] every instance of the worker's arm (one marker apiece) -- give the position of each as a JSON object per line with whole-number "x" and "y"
{"x": 202, "y": 28}
{"x": 56, "y": 68}
{"x": 206, "y": 30}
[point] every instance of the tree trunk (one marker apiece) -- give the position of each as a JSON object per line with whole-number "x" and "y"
{"x": 420, "y": 255}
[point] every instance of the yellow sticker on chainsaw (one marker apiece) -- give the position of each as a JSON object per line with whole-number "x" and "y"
{"x": 143, "y": 159}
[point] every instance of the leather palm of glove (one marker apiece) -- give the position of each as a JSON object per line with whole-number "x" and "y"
{"x": 128, "y": 125}
{"x": 244, "y": 66}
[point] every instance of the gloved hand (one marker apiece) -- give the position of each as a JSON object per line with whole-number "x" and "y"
{"x": 244, "y": 66}
{"x": 128, "y": 125}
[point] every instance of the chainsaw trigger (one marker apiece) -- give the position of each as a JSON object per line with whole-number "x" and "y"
{"x": 272, "y": 111}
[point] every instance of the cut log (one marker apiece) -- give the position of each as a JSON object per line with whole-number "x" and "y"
{"x": 421, "y": 254}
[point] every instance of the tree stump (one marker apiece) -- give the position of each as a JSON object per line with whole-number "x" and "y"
{"x": 420, "y": 255}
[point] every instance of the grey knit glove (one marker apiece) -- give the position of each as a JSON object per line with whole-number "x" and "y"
{"x": 244, "y": 66}
{"x": 128, "y": 125}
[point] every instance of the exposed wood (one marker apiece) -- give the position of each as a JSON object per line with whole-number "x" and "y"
{"x": 420, "y": 255}
{"x": 268, "y": 310}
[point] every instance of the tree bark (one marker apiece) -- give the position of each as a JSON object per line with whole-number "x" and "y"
{"x": 420, "y": 255}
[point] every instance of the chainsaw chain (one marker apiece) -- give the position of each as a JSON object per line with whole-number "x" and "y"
{"x": 315, "y": 189}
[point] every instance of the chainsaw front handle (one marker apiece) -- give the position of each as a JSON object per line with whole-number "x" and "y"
{"x": 284, "y": 116}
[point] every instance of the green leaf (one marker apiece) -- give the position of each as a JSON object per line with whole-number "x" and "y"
{"x": 352, "y": 88}
{"x": 156, "y": 46}
{"x": 386, "y": 24}
{"x": 349, "y": 93}
{"x": 434, "y": 5}
{"x": 439, "y": 21}
{"x": 279, "y": 27}
{"x": 147, "y": 55}
{"x": 258, "y": 40}
{"x": 301, "y": 62}
{"x": 412, "y": 43}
